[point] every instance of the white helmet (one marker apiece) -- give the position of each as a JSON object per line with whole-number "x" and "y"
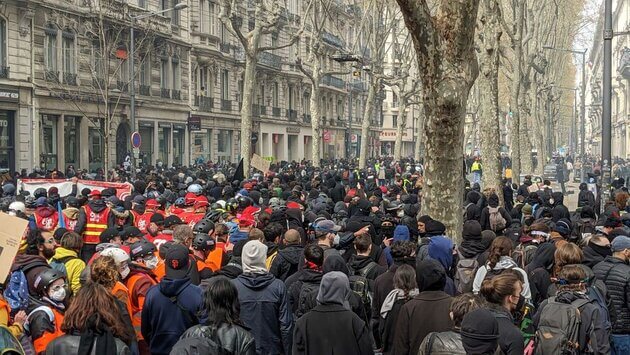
{"x": 119, "y": 255}
{"x": 221, "y": 203}
{"x": 195, "y": 189}
{"x": 17, "y": 206}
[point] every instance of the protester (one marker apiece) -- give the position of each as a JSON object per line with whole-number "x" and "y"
{"x": 46, "y": 311}
{"x": 404, "y": 289}
{"x": 480, "y": 333}
{"x": 288, "y": 259}
{"x": 66, "y": 260}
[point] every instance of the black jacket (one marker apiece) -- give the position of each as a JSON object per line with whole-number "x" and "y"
{"x": 337, "y": 193}
{"x": 306, "y": 278}
{"x": 331, "y": 329}
{"x": 591, "y": 257}
{"x": 559, "y": 210}
{"x": 69, "y": 344}
{"x": 616, "y": 275}
{"x": 234, "y": 339}
{"x": 473, "y": 212}
{"x": 484, "y": 220}
{"x": 511, "y": 341}
{"x": 360, "y": 262}
{"x": 287, "y": 262}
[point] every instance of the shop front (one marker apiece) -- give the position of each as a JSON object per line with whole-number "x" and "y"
{"x": 9, "y": 99}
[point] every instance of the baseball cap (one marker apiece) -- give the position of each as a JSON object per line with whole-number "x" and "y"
{"x": 95, "y": 194}
{"x": 327, "y": 226}
{"x": 41, "y": 201}
{"x": 139, "y": 199}
{"x": 172, "y": 221}
{"x": 157, "y": 218}
{"x": 108, "y": 234}
{"x": 177, "y": 261}
{"x": 130, "y": 232}
{"x": 620, "y": 243}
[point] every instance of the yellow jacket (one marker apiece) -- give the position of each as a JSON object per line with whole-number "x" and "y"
{"x": 74, "y": 266}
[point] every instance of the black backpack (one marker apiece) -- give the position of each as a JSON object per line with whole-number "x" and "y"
{"x": 209, "y": 343}
{"x": 307, "y": 298}
{"x": 361, "y": 285}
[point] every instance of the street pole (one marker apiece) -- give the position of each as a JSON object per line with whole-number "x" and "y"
{"x": 582, "y": 118}
{"x": 606, "y": 104}
{"x": 132, "y": 90}
{"x": 349, "y": 141}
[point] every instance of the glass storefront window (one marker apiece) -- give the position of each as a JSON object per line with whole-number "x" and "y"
{"x": 201, "y": 147}
{"x": 146, "y": 146}
{"x": 95, "y": 141}
{"x": 48, "y": 141}
{"x": 178, "y": 145}
{"x": 224, "y": 145}
{"x": 71, "y": 140}
{"x": 164, "y": 139}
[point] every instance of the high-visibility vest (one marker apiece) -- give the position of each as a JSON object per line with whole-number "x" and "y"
{"x": 121, "y": 293}
{"x": 42, "y": 342}
{"x": 96, "y": 223}
{"x": 136, "y": 304}
{"x": 70, "y": 223}
{"x": 191, "y": 218}
{"x": 47, "y": 224}
{"x": 214, "y": 259}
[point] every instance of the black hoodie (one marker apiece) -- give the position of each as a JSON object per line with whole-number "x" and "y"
{"x": 473, "y": 212}
{"x": 287, "y": 261}
{"x": 559, "y": 210}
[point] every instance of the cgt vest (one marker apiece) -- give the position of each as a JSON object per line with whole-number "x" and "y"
{"x": 47, "y": 224}
{"x": 96, "y": 223}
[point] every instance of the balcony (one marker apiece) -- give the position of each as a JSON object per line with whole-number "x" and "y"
{"x": 226, "y": 105}
{"x": 98, "y": 83}
{"x": 306, "y": 118}
{"x": 52, "y": 76}
{"x": 122, "y": 86}
{"x": 177, "y": 95}
{"x": 224, "y": 47}
{"x": 292, "y": 115}
{"x": 333, "y": 81}
{"x": 333, "y": 40}
{"x": 165, "y": 93}
{"x": 276, "y": 111}
{"x": 259, "y": 110}
{"x": 4, "y": 72}
{"x": 70, "y": 79}
{"x": 204, "y": 103}
{"x": 270, "y": 60}
{"x": 145, "y": 90}
{"x": 624, "y": 64}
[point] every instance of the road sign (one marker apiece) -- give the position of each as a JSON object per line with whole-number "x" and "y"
{"x": 254, "y": 138}
{"x": 136, "y": 140}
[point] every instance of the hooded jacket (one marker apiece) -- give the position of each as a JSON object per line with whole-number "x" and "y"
{"x": 360, "y": 262}
{"x": 472, "y": 212}
{"x": 505, "y": 262}
{"x": 538, "y": 272}
{"x": 266, "y": 311}
{"x": 74, "y": 266}
{"x": 594, "y": 254}
{"x": 559, "y": 210}
{"x": 287, "y": 262}
{"x": 344, "y": 332}
{"x": 585, "y": 197}
{"x": 616, "y": 275}
{"x": 163, "y": 320}
{"x": 96, "y": 206}
{"x": 301, "y": 280}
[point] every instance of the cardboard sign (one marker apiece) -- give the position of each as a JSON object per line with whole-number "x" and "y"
{"x": 13, "y": 228}
{"x": 259, "y": 163}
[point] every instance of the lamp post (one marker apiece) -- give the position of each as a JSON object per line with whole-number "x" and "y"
{"x": 132, "y": 71}
{"x": 582, "y": 103}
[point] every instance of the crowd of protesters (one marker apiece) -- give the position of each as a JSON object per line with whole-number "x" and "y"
{"x": 304, "y": 260}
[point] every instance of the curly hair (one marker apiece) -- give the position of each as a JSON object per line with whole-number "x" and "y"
{"x": 104, "y": 272}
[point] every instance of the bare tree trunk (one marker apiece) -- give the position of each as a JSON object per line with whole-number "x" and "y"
{"x": 246, "y": 110}
{"x": 515, "y": 90}
{"x": 367, "y": 117}
{"x": 402, "y": 123}
{"x": 419, "y": 130}
{"x": 315, "y": 117}
{"x": 489, "y": 94}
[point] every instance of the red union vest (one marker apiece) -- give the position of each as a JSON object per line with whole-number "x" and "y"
{"x": 47, "y": 224}
{"x": 96, "y": 223}
{"x": 70, "y": 223}
{"x": 191, "y": 218}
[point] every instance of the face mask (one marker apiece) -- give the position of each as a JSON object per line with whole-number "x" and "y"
{"x": 551, "y": 201}
{"x": 388, "y": 231}
{"x": 151, "y": 262}
{"x": 400, "y": 213}
{"x": 603, "y": 251}
{"x": 59, "y": 295}
{"x": 336, "y": 239}
{"x": 125, "y": 272}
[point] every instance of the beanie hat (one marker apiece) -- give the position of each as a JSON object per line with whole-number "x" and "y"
{"x": 434, "y": 227}
{"x": 472, "y": 230}
{"x": 480, "y": 332}
{"x": 253, "y": 257}
{"x": 401, "y": 233}
{"x": 430, "y": 275}
{"x": 527, "y": 209}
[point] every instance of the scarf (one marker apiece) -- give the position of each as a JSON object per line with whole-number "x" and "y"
{"x": 101, "y": 340}
{"x": 395, "y": 295}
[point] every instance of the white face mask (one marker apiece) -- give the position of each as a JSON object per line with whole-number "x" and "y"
{"x": 59, "y": 295}
{"x": 400, "y": 213}
{"x": 336, "y": 239}
{"x": 151, "y": 262}
{"x": 125, "y": 272}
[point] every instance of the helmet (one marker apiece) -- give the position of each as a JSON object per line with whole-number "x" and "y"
{"x": 215, "y": 206}
{"x": 244, "y": 202}
{"x": 203, "y": 226}
{"x": 231, "y": 205}
{"x": 40, "y": 192}
{"x": 393, "y": 206}
{"x": 29, "y": 201}
{"x": 17, "y": 206}
{"x": 141, "y": 249}
{"x": 213, "y": 216}
{"x": 195, "y": 189}
{"x": 45, "y": 278}
{"x": 153, "y": 195}
{"x": 221, "y": 203}
{"x": 203, "y": 242}
{"x": 117, "y": 254}
{"x": 180, "y": 202}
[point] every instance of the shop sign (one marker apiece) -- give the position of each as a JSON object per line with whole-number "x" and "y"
{"x": 291, "y": 129}
{"x": 194, "y": 123}
{"x": 9, "y": 95}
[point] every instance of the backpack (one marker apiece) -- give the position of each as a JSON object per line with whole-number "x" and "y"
{"x": 583, "y": 228}
{"x": 209, "y": 343}
{"x": 16, "y": 291}
{"x": 360, "y": 285}
{"x": 497, "y": 222}
{"x": 9, "y": 345}
{"x": 465, "y": 274}
{"x": 60, "y": 264}
{"x": 558, "y": 328}
{"x": 523, "y": 255}
{"x": 306, "y": 298}
{"x": 465, "y": 211}
{"x": 599, "y": 300}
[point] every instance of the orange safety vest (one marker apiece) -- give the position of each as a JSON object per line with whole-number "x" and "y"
{"x": 121, "y": 293}
{"x": 96, "y": 223}
{"x": 47, "y": 224}
{"x": 42, "y": 342}
{"x": 214, "y": 259}
{"x": 136, "y": 304}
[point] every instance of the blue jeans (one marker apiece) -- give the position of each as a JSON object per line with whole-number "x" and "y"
{"x": 620, "y": 344}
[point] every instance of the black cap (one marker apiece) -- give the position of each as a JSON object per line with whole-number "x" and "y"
{"x": 59, "y": 232}
{"x": 131, "y": 232}
{"x": 171, "y": 221}
{"x": 73, "y": 202}
{"x": 108, "y": 234}
{"x": 157, "y": 218}
{"x": 177, "y": 261}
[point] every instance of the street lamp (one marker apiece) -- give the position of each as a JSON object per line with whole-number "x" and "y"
{"x": 132, "y": 71}
{"x": 582, "y": 103}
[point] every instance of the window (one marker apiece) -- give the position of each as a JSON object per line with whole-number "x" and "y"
{"x": 201, "y": 146}
{"x": 98, "y": 63}
{"x": 203, "y": 82}
{"x": 3, "y": 43}
{"x": 275, "y": 95}
{"x": 145, "y": 71}
{"x": 175, "y": 14}
{"x": 142, "y": 4}
{"x": 211, "y": 22}
{"x": 394, "y": 100}
{"x": 51, "y": 48}
{"x": 71, "y": 140}
{"x": 224, "y": 145}
{"x": 225, "y": 85}
{"x": 177, "y": 81}
{"x": 96, "y": 148}
{"x": 164, "y": 83}
{"x": 261, "y": 97}
{"x": 203, "y": 17}
{"x": 395, "y": 120}
{"x": 48, "y": 141}
{"x": 274, "y": 39}
{"x": 68, "y": 52}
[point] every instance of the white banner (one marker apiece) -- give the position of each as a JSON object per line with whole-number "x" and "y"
{"x": 65, "y": 186}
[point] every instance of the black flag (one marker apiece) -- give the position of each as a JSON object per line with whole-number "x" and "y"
{"x": 239, "y": 175}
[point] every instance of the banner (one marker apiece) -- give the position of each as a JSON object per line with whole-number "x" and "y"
{"x": 65, "y": 186}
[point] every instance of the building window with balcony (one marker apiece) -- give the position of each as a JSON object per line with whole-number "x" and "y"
{"x": 145, "y": 76}
{"x": 225, "y": 85}
{"x": 50, "y": 56}
{"x": 177, "y": 80}
{"x": 164, "y": 78}
{"x": 4, "y": 70}
{"x": 69, "y": 58}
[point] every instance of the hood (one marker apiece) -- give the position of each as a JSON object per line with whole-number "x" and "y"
{"x": 358, "y": 262}
{"x": 493, "y": 200}
{"x": 139, "y": 208}
{"x": 22, "y": 260}
{"x": 543, "y": 257}
{"x": 334, "y": 262}
{"x": 71, "y": 212}
{"x": 294, "y": 215}
{"x": 558, "y": 198}
{"x": 472, "y": 197}
{"x": 62, "y": 252}
{"x": 292, "y": 253}
{"x": 471, "y": 230}
{"x": 256, "y": 281}
{"x": 170, "y": 288}
{"x": 441, "y": 249}
{"x": 401, "y": 233}
{"x": 311, "y": 276}
{"x": 45, "y": 211}
{"x": 97, "y": 205}
{"x": 334, "y": 289}
{"x": 569, "y": 296}
{"x": 505, "y": 263}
